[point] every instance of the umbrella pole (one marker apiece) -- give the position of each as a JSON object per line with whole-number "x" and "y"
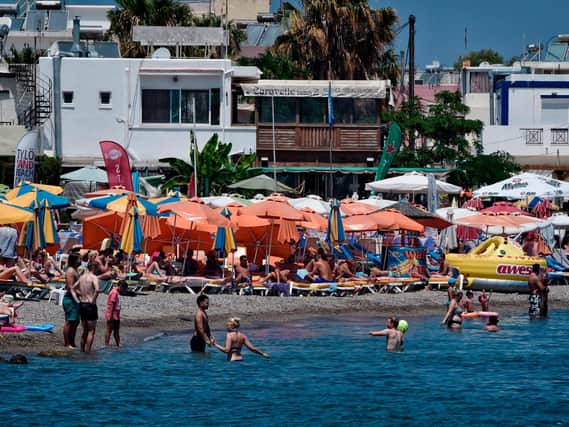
{"x": 270, "y": 248}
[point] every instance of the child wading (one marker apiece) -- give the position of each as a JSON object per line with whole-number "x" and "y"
{"x": 113, "y": 313}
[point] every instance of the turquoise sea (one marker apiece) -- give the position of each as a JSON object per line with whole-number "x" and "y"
{"x": 324, "y": 371}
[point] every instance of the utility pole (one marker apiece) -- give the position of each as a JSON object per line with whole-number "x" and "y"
{"x": 411, "y": 71}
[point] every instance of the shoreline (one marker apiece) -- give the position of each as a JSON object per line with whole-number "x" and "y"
{"x": 147, "y": 315}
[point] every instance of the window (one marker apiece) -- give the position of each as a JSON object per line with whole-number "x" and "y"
{"x": 313, "y": 110}
{"x": 555, "y": 111}
{"x": 177, "y": 106}
{"x": 67, "y": 97}
{"x": 285, "y": 110}
{"x": 105, "y": 98}
{"x": 355, "y": 111}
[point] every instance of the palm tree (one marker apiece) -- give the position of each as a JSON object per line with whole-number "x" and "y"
{"x": 338, "y": 39}
{"x": 214, "y": 171}
{"x": 144, "y": 12}
{"x": 164, "y": 13}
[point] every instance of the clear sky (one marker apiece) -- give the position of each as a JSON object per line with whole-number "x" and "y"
{"x": 503, "y": 25}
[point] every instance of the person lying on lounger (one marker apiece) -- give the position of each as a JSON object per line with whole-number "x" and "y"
{"x": 9, "y": 273}
{"x": 343, "y": 271}
{"x": 8, "y": 307}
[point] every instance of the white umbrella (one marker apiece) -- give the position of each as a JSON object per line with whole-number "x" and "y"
{"x": 524, "y": 186}
{"x": 559, "y": 220}
{"x": 87, "y": 173}
{"x": 455, "y": 213}
{"x": 380, "y": 203}
{"x": 410, "y": 183}
{"x": 222, "y": 201}
{"x": 314, "y": 203}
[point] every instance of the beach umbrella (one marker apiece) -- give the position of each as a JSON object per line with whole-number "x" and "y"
{"x": 273, "y": 207}
{"x": 504, "y": 208}
{"x": 224, "y": 200}
{"x": 385, "y": 220}
{"x": 10, "y": 214}
{"x": 48, "y": 229}
{"x": 225, "y": 241}
{"x": 413, "y": 182}
{"x": 501, "y": 224}
{"x": 312, "y": 202}
{"x": 420, "y": 215}
{"x": 474, "y": 203}
{"x": 263, "y": 183}
{"x": 113, "y": 191}
{"x": 39, "y": 196}
{"x": 454, "y": 213}
{"x": 101, "y": 226}
{"x": 287, "y": 231}
{"x": 192, "y": 210}
{"x": 377, "y": 202}
{"x": 123, "y": 203}
{"x": 335, "y": 232}
{"x": 313, "y": 221}
{"x": 353, "y": 207}
{"x": 88, "y": 174}
{"x": 25, "y": 187}
{"x": 525, "y": 186}
{"x": 132, "y": 237}
{"x": 542, "y": 209}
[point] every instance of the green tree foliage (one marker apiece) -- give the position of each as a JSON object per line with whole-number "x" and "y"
{"x": 448, "y": 137}
{"x": 215, "y": 171}
{"x": 449, "y": 140}
{"x": 479, "y": 56}
{"x": 339, "y": 39}
{"x": 25, "y": 56}
{"x": 143, "y": 12}
{"x": 278, "y": 67}
{"x": 165, "y": 13}
{"x": 484, "y": 169}
{"x": 48, "y": 170}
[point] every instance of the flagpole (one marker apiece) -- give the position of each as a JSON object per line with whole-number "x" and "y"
{"x": 274, "y": 145}
{"x": 331, "y": 127}
{"x": 195, "y": 144}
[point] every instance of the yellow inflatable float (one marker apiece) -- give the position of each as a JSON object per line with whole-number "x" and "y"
{"x": 497, "y": 263}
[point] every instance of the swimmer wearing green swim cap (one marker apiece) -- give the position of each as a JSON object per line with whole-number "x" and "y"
{"x": 394, "y": 337}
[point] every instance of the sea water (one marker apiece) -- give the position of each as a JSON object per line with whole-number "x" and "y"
{"x": 323, "y": 371}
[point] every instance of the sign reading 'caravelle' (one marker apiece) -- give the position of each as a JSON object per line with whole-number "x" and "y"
{"x": 318, "y": 88}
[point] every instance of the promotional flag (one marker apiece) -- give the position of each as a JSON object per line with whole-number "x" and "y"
{"x": 26, "y": 152}
{"x": 390, "y": 150}
{"x": 433, "y": 197}
{"x": 117, "y": 164}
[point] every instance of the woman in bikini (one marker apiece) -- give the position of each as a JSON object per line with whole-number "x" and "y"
{"x": 235, "y": 340}
{"x": 453, "y": 316}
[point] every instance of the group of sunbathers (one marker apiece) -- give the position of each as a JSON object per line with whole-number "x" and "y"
{"x": 41, "y": 267}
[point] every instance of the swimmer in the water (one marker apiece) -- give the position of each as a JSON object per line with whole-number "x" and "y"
{"x": 492, "y": 325}
{"x": 394, "y": 337}
{"x": 235, "y": 340}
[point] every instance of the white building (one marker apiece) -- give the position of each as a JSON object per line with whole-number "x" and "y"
{"x": 146, "y": 104}
{"x": 524, "y": 108}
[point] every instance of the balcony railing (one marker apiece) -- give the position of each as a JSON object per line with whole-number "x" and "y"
{"x": 559, "y": 136}
{"x": 532, "y": 136}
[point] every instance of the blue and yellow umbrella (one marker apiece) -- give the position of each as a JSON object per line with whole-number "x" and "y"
{"x": 132, "y": 235}
{"x": 225, "y": 241}
{"x": 123, "y": 203}
{"x": 47, "y": 227}
{"x": 335, "y": 231}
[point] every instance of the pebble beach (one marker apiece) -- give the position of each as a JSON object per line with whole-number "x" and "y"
{"x": 153, "y": 313}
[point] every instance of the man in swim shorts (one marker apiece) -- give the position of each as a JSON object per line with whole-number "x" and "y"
{"x": 88, "y": 289}
{"x": 202, "y": 332}
{"x": 536, "y": 291}
{"x": 394, "y": 337}
{"x": 71, "y": 301}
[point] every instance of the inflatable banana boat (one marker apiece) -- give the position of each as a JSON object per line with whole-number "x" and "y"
{"x": 497, "y": 263}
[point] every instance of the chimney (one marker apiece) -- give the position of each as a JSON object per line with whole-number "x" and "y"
{"x": 76, "y": 47}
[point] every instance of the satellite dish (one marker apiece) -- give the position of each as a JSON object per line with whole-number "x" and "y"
{"x": 161, "y": 53}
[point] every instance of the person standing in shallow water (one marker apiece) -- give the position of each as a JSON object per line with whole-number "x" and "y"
{"x": 393, "y": 337}
{"x": 202, "y": 332}
{"x": 537, "y": 291}
{"x": 235, "y": 340}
